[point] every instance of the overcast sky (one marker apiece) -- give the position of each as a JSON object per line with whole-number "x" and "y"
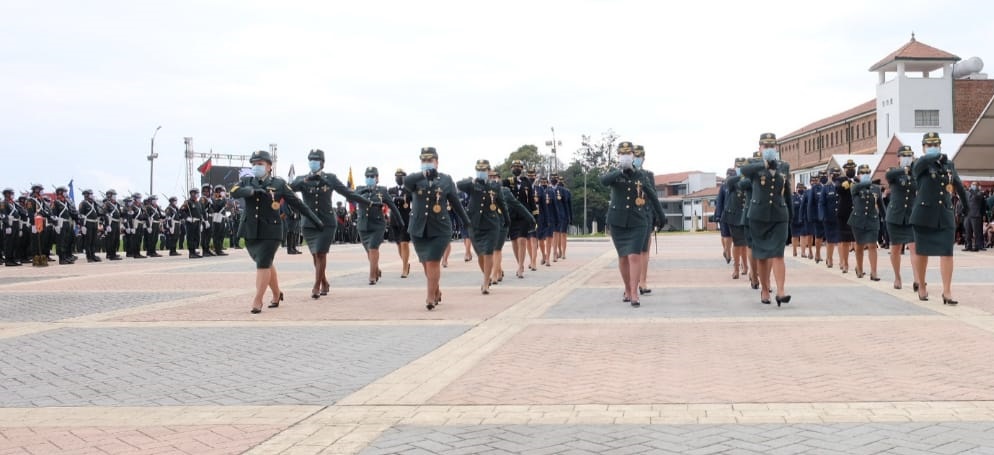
{"x": 83, "y": 85}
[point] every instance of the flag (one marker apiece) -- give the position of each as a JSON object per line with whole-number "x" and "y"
{"x": 206, "y": 167}
{"x": 292, "y": 173}
{"x": 351, "y": 184}
{"x": 72, "y": 191}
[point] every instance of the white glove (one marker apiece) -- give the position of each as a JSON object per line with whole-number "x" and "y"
{"x": 189, "y": 219}
{"x": 82, "y": 230}
{"x": 7, "y": 231}
{"x": 148, "y": 229}
{"x": 34, "y": 229}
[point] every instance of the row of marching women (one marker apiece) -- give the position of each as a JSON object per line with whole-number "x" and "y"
{"x": 843, "y": 210}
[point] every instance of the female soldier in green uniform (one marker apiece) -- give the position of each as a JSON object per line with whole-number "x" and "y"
{"x": 522, "y": 221}
{"x": 745, "y": 184}
{"x": 486, "y": 211}
{"x": 932, "y": 218}
{"x": 370, "y": 220}
{"x": 497, "y": 274}
{"x": 902, "y": 200}
{"x": 734, "y": 205}
{"x": 653, "y": 217}
{"x": 769, "y": 215}
{"x": 865, "y": 220}
{"x": 316, "y": 189}
{"x": 625, "y": 215}
{"x": 261, "y": 225}
{"x": 432, "y": 194}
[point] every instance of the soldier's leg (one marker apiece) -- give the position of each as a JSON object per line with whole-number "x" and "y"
{"x": 978, "y": 233}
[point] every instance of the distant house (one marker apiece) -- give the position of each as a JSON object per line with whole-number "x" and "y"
{"x": 686, "y": 197}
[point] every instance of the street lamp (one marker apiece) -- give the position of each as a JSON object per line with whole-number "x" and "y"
{"x": 585, "y": 198}
{"x": 554, "y": 143}
{"x": 151, "y": 159}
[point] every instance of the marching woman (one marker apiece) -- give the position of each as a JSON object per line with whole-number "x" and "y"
{"x": 735, "y": 203}
{"x": 932, "y": 218}
{"x": 261, "y": 225}
{"x": 865, "y": 220}
{"x": 316, "y": 189}
{"x": 653, "y": 217}
{"x": 746, "y": 186}
{"x": 627, "y": 219}
{"x": 522, "y": 222}
{"x": 798, "y": 227}
{"x": 828, "y": 207}
{"x": 370, "y": 220}
{"x": 402, "y": 199}
{"x": 902, "y": 201}
{"x": 843, "y": 213}
{"x": 486, "y": 211}
{"x": 769, "y": 214}
{"x": 432, "y": 194}
{"x": 505, "y": 228}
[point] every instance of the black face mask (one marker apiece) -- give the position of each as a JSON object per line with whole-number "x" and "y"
{"x": 851, "y": 173}
{"x": 400, "y": 180}
{"x": 823, "y": 180}
{"x": 516, "y": 172}
{"x": 554, "y": 182}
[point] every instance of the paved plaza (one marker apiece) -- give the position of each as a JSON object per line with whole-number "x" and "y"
{"x": 162, "y": 356}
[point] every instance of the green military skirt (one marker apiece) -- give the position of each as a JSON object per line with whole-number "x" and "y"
{"x": 646, "y": 238}
{"x": 371, "y": 239}
{"x": 319, "y": 240}
{"x": 865, "y": 236}
{"x": 430, "y": 249}
{"x": 768, "y": 238}
{"x": 485, "y": 241}
{"x": 900, "y": 233}
{"x": 934, "y": 241}
{"x": 738, "y": 235}
{"x": 501, "y": 238}
{"x": 262, "y": 251}
{"x": 628, "y": 240}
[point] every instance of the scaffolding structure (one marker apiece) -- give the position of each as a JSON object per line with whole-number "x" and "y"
{"x": 192, "y": 157}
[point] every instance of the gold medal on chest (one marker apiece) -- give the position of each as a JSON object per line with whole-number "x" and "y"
{"x": 276, "y": 205}
{"x": 762, "y": 181}
{"x": 949, "y": 188}
{"x": 405, "y": 205}
{"x": 493, "y": 207}
{"x": 559, "y": 197}
{"x": 437, "y": 208}
{"x": 639, "y": 201}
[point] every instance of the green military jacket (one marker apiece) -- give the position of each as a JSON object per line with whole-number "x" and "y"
{"x": 430, "y": 203}
{"x": 651, "y": 211}
{"x": 370, "y": 217}
{"x": 735, "y": 202}
{"x": 316, "y": 190}
{"x": 937, "y": 179}
{"x": 771, "y": 193}
{"x": 866, "y": 206}
{"x": 902, "y": 195}
{"x": 486, "y": 209}
{"x": 261, "y": 218}
{"x": 630, "y": 193}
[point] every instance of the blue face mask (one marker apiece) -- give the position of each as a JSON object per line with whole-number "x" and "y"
{"x": 481, "y": 175}
{"x": 370, "y": 181}
{"x": 259, "y": 170}
{"x": 315, "y": 165}
{"x": 932, "y": 150}
{"x": 738, "y": 172}
{"x": 638, "y": 162}
{"x": 770, "y": 154}
{"x": 427, "y": 166}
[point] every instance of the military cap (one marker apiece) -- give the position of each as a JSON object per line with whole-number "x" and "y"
{"x": 739, "y": 162}
{"x": 767, "y": 139}
{"x": 530, "y": 171}
{"x": 206, "y": 185}
{"x": 61, "y": 190}
{"x": 730, "y": 172}
{"x": 315, "y": 155}
{"x": 639, "y": 151}
{"x": 814, "y": 178}
{"x": 517, "y": 163}
{"x": 136, "y": 196}
{"x": 554, "y": 175}
{"x": 428, "y": 153}
{"x": 218, "y": 187}
{"x": 8, "y": 191}
{"x": 822, "y": 173}
{"x": 87, "y": 192}
{"x": 399, "y": 172}
{"x": 625, "y": 147}
{"x": 834, "y": 170}
{"x": 372, "y": 171}
{"x": 36, "y": 186}
{"x": 127, "y": 200}
{"x": 800, "y": 186}
{"x": 849, "y": 164}
{"x": 906, "y": 151}
{"x": 492, "y": 172}
{"x": 152, "y": 198}
{"x": 261, "y": 155}
{"x": 173, "y": 199}
{"x": 931, "y": 138}
{"x": 111, "y": 193}
{"x": 482, "y": 165}
{"x": 194, "y": 191}
{"x": 863, "y": 169}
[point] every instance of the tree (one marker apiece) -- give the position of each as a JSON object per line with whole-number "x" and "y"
{"x": 529, "y": 155}
{"x": 599, "y": 155}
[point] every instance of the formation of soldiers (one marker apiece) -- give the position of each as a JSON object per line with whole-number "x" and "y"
{"x": 35, "y": 223}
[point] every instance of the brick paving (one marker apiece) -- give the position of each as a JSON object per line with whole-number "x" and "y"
{"x": 162, "y": 356}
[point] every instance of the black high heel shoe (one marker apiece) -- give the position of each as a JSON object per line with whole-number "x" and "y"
{"x": 625, "y": 298}
{"x": 874, "y": 278}
{"x": 782, "y": 299}
{"x": 325, "y": 288}
{"x": 429, "y": 305}
{"x": 644, "y": 291}
{"x": 315, "y": 293}
{"x": 256, "y": 310}
{"x": 923, "y": 298}
{"x": 765, "y": 301}
{"x": 276, "y": 304}
{"x": 484, "y": 291}
{"x": 755, "y": 285}
{"x": 859, "y": 273}
{"x": 636, "y": 304}
{"x": 948, "y": 301}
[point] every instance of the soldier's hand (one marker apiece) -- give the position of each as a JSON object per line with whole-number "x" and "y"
{"x": 943, "y": 158}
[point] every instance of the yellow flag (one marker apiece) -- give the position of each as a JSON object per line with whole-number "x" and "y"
{"x": 351, "y": 182}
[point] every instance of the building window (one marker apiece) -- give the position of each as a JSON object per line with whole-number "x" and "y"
{"x": 925, "y": 118}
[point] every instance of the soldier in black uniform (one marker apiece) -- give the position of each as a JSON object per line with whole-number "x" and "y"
{"x": 522, "y": 188}
{"x": 865, "y": 220}
{"x": 219, "y": 220}
{"x": 485, "y": 210}
{"x": 170, "y": 225}
{"x": 193, "y": 213}
{"x": 36, "y": 205}
{"x": 112, "y": 225}
{"x": 10, "y": 220}
{"x": 846, "y": 239}
{"x": 234, "y": 219}
{"x": 154, "y": 217}
{"x": 139, "y": 222}
{"x": 205, "y": 223}
{"x": 976, "y": 207}
{"x": 63, "y": 224}
{"x": 90, "y": 217}
{"x": 402, "y": 199}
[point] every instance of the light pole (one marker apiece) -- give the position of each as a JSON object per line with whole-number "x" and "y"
{"x": 585, "y": 199}
{"x": 151, "y": 159}
{"x": 553, "y": 143}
